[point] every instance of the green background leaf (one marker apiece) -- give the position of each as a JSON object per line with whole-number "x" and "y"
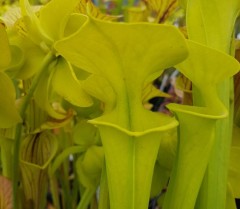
{"x": 9, "y": 115}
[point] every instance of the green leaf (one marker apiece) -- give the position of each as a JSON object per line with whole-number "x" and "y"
{"x": 74, "y": 22}
{"x": 236, "y": 136}
{"x": 168, "y": 149}
{"x": 214, "y": 71}
{"x": 37, "y": 151}
{"x": 17, "y": 61}
{"x": 6, "y": 146}
{"x": 205, "y": 71}
{"x": 90, "y": 112}
{"x": 212, "y": 23}
{"x": 121, "y": 49}
{"x": 85, "y": 134}
{"x": 160, "y": 180}
{"x": 66, "y": 84}
{"x": 27, "y": 58}
{"x": 234, "y": 171}
{"x": 53, "y": 17}
{"x": 130, "y": 161}
{"x": 62, "y": 156}
{"x": 89, "y": 173}
{"x": 230, "y": 200}
{"x": 51, "y": 123}
{"x": 42, "y": 94}
{"x": 9, "y": 115}
{"x": 183, "y": 3}
{"x": 33, "y": 26}
{"x": 5, "y": 53}
{"x": 86, "y": 198}
{"x": 90, "y": 166}
{"x": 104, "y": 202}
{"x": 104, "y": 92}
{"x": 196, "y": 139}
{"x": 123, "y": 52}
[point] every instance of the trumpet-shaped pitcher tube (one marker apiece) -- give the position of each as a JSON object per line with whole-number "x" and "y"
{"x": 122, "y": 59}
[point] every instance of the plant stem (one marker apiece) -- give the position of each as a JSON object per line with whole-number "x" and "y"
{"x": 54, "y": 190}
{"x": 213, "y": 190}
{"x": 47, "y": 60}
{"x": 86, "y": 198}
{"x": 6, "y": 156}
{"x": 104, "y": 193}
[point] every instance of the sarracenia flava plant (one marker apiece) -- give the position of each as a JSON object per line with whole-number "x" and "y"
{"x": 196, "y": 140}
{"x": 76, "y": 73}
{"x": 212, "y": 24}
{"x": 118, "y": 77}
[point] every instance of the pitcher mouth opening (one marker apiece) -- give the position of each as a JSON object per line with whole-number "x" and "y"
{"x": 203, "y": 112}
{"x": 161, "y": 128}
